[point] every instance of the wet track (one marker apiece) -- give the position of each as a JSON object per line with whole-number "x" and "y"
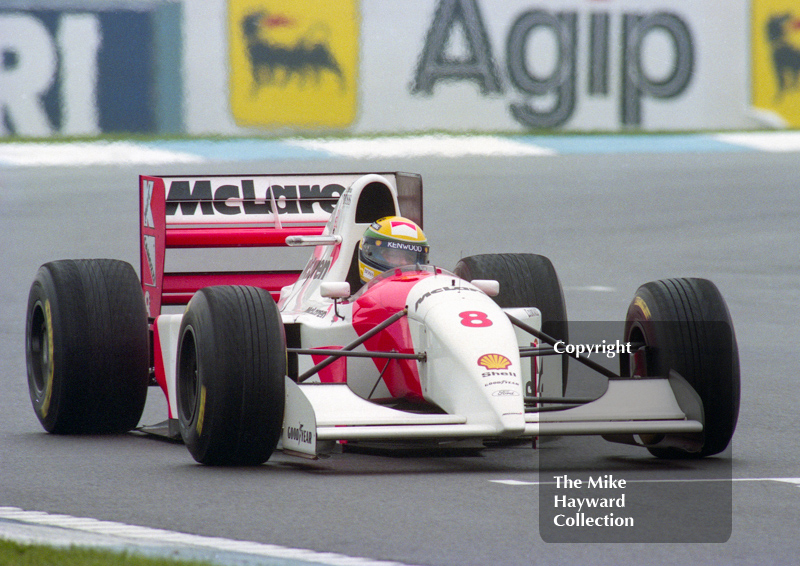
{"x": 608, "y": 222}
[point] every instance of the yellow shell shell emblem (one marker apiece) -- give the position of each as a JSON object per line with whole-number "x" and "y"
{"x": 494, "y": 361}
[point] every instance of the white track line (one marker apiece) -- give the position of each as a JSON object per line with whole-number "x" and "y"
{"x": 592, "y": 288}
{"x": 764, "y": 141}
{"x": 89, "y": 153}
{"x": 431, "y": 145}
{"x": 127, "y": 537}
{"x": 424, "y": 146}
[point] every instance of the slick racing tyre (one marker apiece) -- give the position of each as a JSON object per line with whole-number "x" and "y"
{"x": 230, "y": 376}
{"x": 526, "y": 280}
{"x": 86, "y": 346}
{"x": 688, "y": 329}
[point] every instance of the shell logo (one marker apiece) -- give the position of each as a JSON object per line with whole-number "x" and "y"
{"x": 494, "y": 361}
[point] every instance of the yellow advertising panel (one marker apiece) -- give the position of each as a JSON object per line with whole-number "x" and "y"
{"x": 776, "y": 58}
{"x": 293, "y": 63}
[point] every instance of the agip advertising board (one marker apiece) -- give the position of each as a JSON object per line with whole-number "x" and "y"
{"x": 569, "y": 65}
{"x": 775, "y": 29}
{"x": 372, "y": 66}
{"x": 293, "y": 64}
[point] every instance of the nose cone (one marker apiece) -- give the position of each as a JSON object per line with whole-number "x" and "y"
{"x": 473, "y": 366}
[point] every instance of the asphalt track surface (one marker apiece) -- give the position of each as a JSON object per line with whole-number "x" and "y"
{"x": 609, "y": 222}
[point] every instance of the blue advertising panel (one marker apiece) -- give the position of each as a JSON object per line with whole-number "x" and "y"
{"x": 78, "y": 71}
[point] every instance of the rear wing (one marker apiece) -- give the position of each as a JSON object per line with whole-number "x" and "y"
{"x": 183, "y": 212}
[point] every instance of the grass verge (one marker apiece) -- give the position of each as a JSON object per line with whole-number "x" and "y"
{"x": 18, "y": 554}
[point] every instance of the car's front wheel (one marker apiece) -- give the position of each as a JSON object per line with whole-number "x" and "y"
{"x": 230, "y": 376}
{"x": 687, "y": 328}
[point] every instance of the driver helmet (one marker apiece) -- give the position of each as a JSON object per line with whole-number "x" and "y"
{"x": 392, "y": 241}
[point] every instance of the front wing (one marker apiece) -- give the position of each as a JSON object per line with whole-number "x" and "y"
{"x": 316, "y": 413}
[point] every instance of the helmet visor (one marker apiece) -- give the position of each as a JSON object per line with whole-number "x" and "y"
{"x": 387, "y": 254}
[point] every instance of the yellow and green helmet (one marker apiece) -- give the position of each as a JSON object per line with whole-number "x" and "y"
{"x": 390, "y": 242}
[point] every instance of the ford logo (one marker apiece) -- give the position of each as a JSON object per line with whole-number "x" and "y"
{"x": 505, "y": 393}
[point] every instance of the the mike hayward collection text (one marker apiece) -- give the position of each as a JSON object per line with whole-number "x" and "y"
{"x": 591, "y": 511}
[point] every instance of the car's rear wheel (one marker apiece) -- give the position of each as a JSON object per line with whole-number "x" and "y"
{"x": 86, "y": 345}
{"x": 526, "y": 280}
{"x": 687, "y": 327}
{"x": 230, "y": 376}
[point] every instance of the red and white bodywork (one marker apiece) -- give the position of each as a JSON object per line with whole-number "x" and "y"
{"x": 445, "y": 362}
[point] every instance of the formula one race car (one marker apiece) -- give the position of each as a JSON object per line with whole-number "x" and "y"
{"x": 303, "y": 360}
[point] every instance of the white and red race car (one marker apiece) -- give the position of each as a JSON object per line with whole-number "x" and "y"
{"x": 302, "y": 360}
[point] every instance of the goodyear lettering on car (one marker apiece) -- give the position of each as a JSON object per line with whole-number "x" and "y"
{"x": 299, "y": 435}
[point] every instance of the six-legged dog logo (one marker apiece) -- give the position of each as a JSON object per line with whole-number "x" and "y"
{"x": 274, "y": 63}
{"x": 785, "y": 55}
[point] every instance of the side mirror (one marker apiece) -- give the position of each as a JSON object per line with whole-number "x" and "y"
{"x": 334, "y": 290}
{"x": 488, "y": 286}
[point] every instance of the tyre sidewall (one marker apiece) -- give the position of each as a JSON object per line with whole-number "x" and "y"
{"x": 46, "y": 399}
{"x": 194, "y": 415}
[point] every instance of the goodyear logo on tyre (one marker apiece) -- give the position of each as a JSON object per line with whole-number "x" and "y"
{"x": 775, "y": 44}
{"x": 293, "y": 63}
